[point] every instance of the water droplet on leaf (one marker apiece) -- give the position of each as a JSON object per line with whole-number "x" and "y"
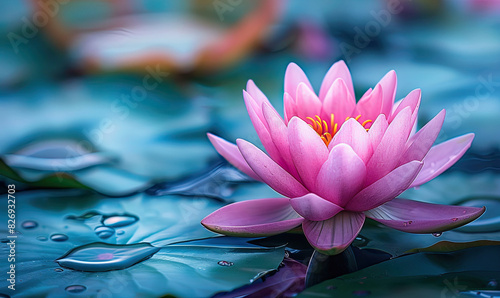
{"x": 29, "y": 224}
{"x": 437, "y": 234}
{"x": 75, "y": 289}
{"x": 104, "y": 232}
{"x": 41, "y": 238}
{"x": 58, "y": 237}
{"x": 225, "y": 263}
{"x": 97, "y": 257}
{"x": 119, "y": 220}
{"x": 58, "y": 270}
{"x": 492, "y": 283}
{"x": 360, "y": 241}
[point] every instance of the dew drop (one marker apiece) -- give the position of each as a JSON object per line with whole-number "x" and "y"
{"x": 58, "y": 237}
{"x": 104, "y": 232}
{"x": 98, "y": 257}
{"x": 360, "y": 241}
{"x": 454, "y": 219}
{"x": 361, "y": 293}
{"x": 116, "y": 221}
{"x": 437, "y": 234}
{"x": 75, "y": 289}
{"x": 225, "y": 263}
{"x": 58, "y": 270}
{"x": 41, "y": 238}
{"x": 120, "y": 232}
{"x": 492, "y": 283}
{"x": 29, "y": 224}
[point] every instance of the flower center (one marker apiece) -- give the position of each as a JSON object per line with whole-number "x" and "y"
{"x": 327, "y": 132}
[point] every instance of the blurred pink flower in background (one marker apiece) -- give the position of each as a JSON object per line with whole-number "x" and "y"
{"x": 337, "y": 162}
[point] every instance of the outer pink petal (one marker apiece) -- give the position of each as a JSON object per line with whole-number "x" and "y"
{"x": 290, "y": 107}
{"x": 411, "y": 100}
{"x": 418, "y": 217}
{"x": 314, "y": 207}
{"x": 269, "y": 171}
{"x": 256, "y": 94}
{"x": 385, "y": 189}
{"x": 385, "y": 157}
{"x": 354, "y": 135}
{"x": 254, "y": 218}
{"x": 420, "y": 143}
{"x": 389, "y": 84}
{"x": 370, "y": 105}
{"x": 377, "y": 130}
{"x": 261, "y": 127}
{"x": 341, "y": 176}
{"x": 338, "y": 101}
{"x": 334, "y": 235}
{"x": 308, "y": 151}
{"x": 232, "y": 154}
{"x": 294, "y": 75}
{"x": 279, "y": 136}
{"x": 441, "y": 157}
{"x": 338, "y": 70}
{"x": 308, "y": 104}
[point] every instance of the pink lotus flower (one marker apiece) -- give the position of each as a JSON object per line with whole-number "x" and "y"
{"x": 338, "y": 162}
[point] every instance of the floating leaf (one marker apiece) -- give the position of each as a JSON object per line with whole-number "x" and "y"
{"x": 426, "y": 274}
{"x": 152, "y": 252}
{"x": 219, "y": 183}
{"x": 447, "y": 246}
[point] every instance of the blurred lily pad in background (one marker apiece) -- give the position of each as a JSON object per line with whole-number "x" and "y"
{"x": 104, "y": 110}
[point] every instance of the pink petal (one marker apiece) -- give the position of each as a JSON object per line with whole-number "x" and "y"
{"x": 385, "y": 189}
{"x": 420, "y": 143}
{"x": 314, "y": 207}
{"x": 389, "y": 83}
{"x": 290, "y": 107}
{"x": 411, "y": 100}
{"x": 232, "y": 154}
{"x": 338, "y": 101}
{"x": 370, "y": 106}
{"x": 308, "y": 104}
{"x": 256, "y": 94}
{"x": 294, "y": 75}
{"x": 419, "y": 217}
{"x": 262, "y": 129}
{"x": 384, "y": 158}
{"x": 308, "y": 151}
{"x": 279, "y": 136}
{"x": 354, "y": 135}
{"x": 338, "y": 70}
{"x": 253, "y": 108}
{"x": 341, "y": 176}
{"x": 334, "y": 235}
{"x": 441, "y": 157}
{"x": 270, "y": 172}
{"x": 253, "y": 218}
{"x": 377, "y": 130}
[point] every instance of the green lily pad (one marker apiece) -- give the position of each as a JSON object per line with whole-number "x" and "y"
{"x": 171, "y": 250}
{"x": 430, "y": 274}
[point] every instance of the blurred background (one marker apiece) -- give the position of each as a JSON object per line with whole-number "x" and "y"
{"x": 139, "y": 83}
{"x": 117, "y": 96}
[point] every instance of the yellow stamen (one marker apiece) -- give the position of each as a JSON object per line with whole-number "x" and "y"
{"x": 366, "y": 122}
{"x": 327, "y": 132}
